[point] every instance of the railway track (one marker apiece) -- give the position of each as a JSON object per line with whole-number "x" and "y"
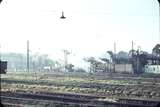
{"x": 69, "y": 100}
{"x": 14, "y": 101}
{"x": 129, "y": 90}
{"x": 83, "y": 85}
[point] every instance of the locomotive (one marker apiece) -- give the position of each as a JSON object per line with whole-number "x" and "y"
{"x": 3, "y": 67}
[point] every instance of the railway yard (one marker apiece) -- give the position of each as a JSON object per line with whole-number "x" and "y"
{"x": 82, "y": 90}
{"x": 80, "y": 54}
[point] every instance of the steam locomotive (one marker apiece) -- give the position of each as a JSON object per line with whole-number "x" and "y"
{"x": 3, "y": 67}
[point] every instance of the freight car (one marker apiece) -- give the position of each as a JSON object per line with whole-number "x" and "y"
{"x": 3, "y": 67}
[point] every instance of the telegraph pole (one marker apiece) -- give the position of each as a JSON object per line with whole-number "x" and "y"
{"x": 114, "y": 61}
{"x": 0, "y": 53}
{"x": 66, "y": 53}
{"x": 0, "y": 58}
{"x": 28, "y": 56}
{"x": 0, "y": 48}
{"x": 132, "y": 56}
{"x": 115, "y": 49}
{"x": 159, "y": 19}
{"x": 132, "y": 49}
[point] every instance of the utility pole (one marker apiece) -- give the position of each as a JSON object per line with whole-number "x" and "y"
{"x": 132, "y": 53}
{"x": 0, "y": 53}
{"x": 66, "y": 53}
{"x": 115, "y": 49}
{"x": 0, "y": 48}
{"x": 28, "y": 56}
{"x": 132, "y": 49}
{"x": 132, "y": 56}
{"x": 0, "y": 58}
{"x": 159, "y": 19}
{"x": 137, "y": 61}
{"x": 114, "y": 60}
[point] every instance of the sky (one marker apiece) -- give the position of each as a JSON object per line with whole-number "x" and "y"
{"x": 90, "y": 29}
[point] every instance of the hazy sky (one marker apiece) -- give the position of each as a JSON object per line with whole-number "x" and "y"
{"x": 90, "y": 29}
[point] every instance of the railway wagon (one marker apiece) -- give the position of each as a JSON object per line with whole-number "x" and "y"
{"x": 3, "y": 67}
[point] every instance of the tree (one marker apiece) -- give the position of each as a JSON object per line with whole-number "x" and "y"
{"x": 80, "y": 70}
{"x": 111, "y": 55}
{"x": 69, "y": 67}
{"x": 139, "y": 60}
{"x": 156, "y": 50}
{"x": 122, "y": 54}
{"x": 105, "y": 60}
{"x": 90, "y": 59}
{"x": 106, "y": 57}
{"x": 132, "y": 53}
{"x": 93, "y": 63}
{"x": 122, "y": 57}
{"x": 17, "y": 61}
{"x": 143, "y": 58}
{"x": 96, "y": 65}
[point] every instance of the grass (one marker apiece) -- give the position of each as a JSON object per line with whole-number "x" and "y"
{"x": 45, "y": 88}
{"x": 65, "y": 79}
{"x": 72, "y": 80}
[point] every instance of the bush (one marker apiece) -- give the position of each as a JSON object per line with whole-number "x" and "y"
{"x": 80, "y": 70}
